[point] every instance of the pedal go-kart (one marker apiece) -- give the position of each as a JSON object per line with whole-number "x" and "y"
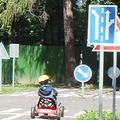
{"x": 47, "y": 105}
{"x": 57, "y": 113}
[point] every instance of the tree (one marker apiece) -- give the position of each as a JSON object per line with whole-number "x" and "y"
{"x": 11, "y": 10}
{"x": 69, "y": 42}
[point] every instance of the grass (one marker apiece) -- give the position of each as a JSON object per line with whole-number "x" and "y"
{"x": 7, "y": 88}
{"x": 93, "y": 115}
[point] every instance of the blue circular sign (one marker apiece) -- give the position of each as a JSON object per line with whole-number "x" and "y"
{"x": 82, "y": 73}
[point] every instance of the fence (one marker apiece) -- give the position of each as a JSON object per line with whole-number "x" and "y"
{"x": 36, "y": 60}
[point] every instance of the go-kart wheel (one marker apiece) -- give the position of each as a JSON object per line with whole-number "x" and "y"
{"x": 58, "y": 118}
{"x": 32, "y": 112}
{"x": 60, "y": 111}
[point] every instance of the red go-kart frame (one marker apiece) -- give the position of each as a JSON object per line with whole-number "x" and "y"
{"x": 58, "y": 112}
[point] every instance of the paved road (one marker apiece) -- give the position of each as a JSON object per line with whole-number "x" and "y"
{"x": 16, "y": 106}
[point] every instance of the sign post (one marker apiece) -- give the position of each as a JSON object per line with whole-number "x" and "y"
{"x": 101, "y": 69}
{"x": 113, "y": 72}
{"x": 114, "y": 82}
{"x": 14, "y": 53}
{"x": 101, "y": 31}
{"x": 82, "y": 73}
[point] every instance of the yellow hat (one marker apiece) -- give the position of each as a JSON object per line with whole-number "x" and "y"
{"x": 43, "y": 78}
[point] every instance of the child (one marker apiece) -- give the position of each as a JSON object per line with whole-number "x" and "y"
{"x": 47, "y": 93}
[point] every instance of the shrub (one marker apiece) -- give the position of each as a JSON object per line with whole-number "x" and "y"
{"x": 93, "y": 115}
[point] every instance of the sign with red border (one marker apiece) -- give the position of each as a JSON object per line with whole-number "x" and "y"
{"x": 110, "y": 48}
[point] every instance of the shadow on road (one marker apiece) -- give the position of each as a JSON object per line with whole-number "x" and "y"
{"x": 45, "y": 117}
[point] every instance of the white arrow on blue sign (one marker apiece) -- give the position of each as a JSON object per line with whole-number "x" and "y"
{"x": 102, "y": 24}
{"x": 82, "y": 73}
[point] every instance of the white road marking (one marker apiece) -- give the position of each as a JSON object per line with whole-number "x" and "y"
{"x": 11, "y": 110}
{"x": 68, "y": 94}
{"x": 79, "y": 113}
{"x": 22, "y": 114}
{"x": 66, "y": 111}
{"x": 13, "y": 117}
{"x": 60, "y": 90}
{"x": 22, "y": 93}
{"x": 32, "y": 95}
{"x": 117, "y": 96}
{"x": 69, "y": 117}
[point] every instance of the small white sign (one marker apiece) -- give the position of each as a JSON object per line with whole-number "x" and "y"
{"x": 14, "y": 50}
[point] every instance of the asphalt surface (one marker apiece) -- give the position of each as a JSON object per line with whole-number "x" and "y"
{"x": 16, "y": 106}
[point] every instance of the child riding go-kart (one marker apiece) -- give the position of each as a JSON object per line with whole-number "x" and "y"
{"x": 47, "y": 103}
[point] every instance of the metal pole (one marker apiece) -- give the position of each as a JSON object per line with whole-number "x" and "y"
{"x": 101, "y": 64}
{"x": 82, "y": 87}
{"x": 0, "y": 74}
{"x": 114, "y": 82}
{"x": 81, "y": 57}
{"x": 13, "y": 72}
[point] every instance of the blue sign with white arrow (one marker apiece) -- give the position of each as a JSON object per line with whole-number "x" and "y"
{"x": 102, "y": 24}
{"x": 82, "y": 73}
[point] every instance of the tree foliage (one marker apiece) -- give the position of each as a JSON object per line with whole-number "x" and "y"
{"x": 10, "y": 10}
{"x": 41, "y": 11}
{"x": 47, "y": 13}
{"x": 40, "y": 22}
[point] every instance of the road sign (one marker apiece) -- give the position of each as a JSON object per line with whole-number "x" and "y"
{"x": 3, "y": 52}
{"x": 107, "y": 48}
{"x": 82, "y": 73}
{"x": 3, "y": 55}
{"x": 115, "y": 47}
{"x": 110, "y": 72}
{"x": 117, "y": 38}
{"x": 14, "y": 50}
{"x": 102, "y": 24}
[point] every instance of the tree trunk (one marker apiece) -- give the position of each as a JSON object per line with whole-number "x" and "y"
{"x": 69, "y": 42}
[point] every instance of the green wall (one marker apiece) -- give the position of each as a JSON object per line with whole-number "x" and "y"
{"x": 34, "y": 61}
